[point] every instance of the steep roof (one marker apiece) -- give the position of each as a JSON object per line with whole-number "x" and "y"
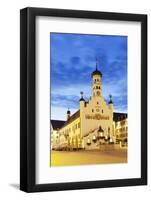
{"x": 119, "y": 116}
{"x": 57, "y": 124}
{"x": 96, "y": 72}
{"x": 72, "y": 118}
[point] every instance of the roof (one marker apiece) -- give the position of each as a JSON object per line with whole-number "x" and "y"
{"x": 57, "y": 124}
{"x": 72, "y": 118}
{"x": 81, "y": 99}
{"x": 119, "y": 116}
{"x": 96, "y": 72}
{"x": 110, "y": 102}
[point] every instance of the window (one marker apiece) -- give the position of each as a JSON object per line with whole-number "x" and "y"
{"x": 92, "y": 110}
{"x": 108, "y": 129}
{"x": 76, "y": 126}
{"x": 102, "y": 110}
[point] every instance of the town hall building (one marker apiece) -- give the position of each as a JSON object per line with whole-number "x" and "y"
{"x": 93, "y": 125}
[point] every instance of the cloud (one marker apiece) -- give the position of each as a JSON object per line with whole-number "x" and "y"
{"x": 73, "y": 58}
{"x": 65, "y": 101}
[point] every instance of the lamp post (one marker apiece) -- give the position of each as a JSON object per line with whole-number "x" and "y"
{"x": 100, "y": 133}
{"x": 94, "y": 138}
{"x": 88, "y": 141}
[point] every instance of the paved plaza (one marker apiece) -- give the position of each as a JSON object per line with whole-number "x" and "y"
{"x": 86, "y": 157}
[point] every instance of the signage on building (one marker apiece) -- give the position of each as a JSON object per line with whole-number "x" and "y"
{"x": 97, "y": 117}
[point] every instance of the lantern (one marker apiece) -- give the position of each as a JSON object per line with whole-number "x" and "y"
{"x": 88, "y": 141}
{"x": 100, "y": 133}
{"x": 94, "y": 138}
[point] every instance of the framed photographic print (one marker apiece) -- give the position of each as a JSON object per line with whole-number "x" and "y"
{"x": 83, "y": 99}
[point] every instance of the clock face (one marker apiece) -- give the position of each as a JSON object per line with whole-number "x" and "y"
{"x": 98, "y": 93}
{"x": 97, "y": 110}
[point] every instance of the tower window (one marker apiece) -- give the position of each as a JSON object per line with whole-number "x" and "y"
{"x": 92, "y": 110}
{"x": 97, "y": 102}
{"x": 102, "y": 110}
{"x": 108, "y": 129}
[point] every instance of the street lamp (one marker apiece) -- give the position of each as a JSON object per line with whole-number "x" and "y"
{"x": 111, "y": 141}
{"x": 88, "y": 141}
{"x": 100, "y": 133}
{"x": 106, "y": 138}
{"x": 94, "y": 138}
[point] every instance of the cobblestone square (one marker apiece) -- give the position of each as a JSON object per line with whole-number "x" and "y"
{"x": 87, "y": 157}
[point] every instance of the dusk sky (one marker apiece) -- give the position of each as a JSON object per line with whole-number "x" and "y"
{"x": 73, "y": 58}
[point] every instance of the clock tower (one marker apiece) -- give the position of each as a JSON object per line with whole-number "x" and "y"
{"x": 96, "y": 82}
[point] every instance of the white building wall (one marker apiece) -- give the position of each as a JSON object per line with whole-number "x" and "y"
{"x": 100, "y": 115}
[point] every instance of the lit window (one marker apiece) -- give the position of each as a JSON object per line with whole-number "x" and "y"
{"x": 88, "y": 141}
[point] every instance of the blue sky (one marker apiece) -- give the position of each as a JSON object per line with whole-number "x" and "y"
{"x": 73, "y": 58}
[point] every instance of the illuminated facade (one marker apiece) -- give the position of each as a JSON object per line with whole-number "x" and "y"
{"x": 121, "y": 129}
{"x": 92, "y": 125}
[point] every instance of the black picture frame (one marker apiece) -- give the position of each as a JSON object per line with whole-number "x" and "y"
{"x": 28, "y": 99}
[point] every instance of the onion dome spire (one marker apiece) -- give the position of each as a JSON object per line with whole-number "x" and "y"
{"x": 81, "y": 99}
{"x": 96, "y": 72}
{"x": 68, "y": 112}
{"x": 110, "y": 101}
